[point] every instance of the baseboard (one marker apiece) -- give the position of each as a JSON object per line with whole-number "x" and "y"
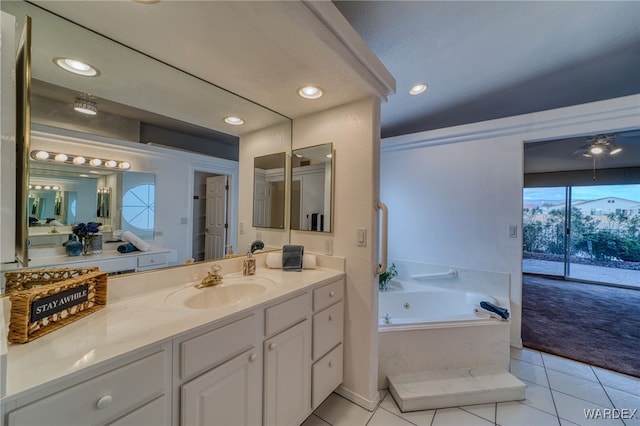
{"x": 367, "y": 404}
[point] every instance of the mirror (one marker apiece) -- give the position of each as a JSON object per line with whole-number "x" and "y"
{"x": 312, "y": 188}
{"x": 136, "y": 104}
{"x": 269, "y": 191}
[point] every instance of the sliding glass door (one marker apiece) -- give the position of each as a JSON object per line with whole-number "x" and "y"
{"x": 598, "y": 241}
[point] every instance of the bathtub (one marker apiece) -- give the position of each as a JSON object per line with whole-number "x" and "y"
{"x": 430, "y": 324}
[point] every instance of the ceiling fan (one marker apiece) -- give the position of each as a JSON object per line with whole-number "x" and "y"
{"x": 599, "y": 146}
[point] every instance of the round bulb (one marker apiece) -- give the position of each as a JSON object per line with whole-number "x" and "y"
{"x": 310, "y": 92}
{"x": 79, "y": 160}
{"x": 38, "y": 187}
{"x": 55, "y": 188}
{"x": 75, "y": 66}
{"x": 124, "y": 165}
{"x": 110, "y": 163}
{"x": 47, "y": 187}
{"x": 42, "y": 155}
{"x": 96, "y": 162}
{"x": 418, "y": 88}
{"x": 61, "y": 157}
{"x": 236, "y": 121}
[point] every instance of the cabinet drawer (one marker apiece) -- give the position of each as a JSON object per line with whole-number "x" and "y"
{"x": 205, "y": 351}
{"x": 326, "y": 376}
{"x": 286, "y": 314}
{"x": 327, "y": 295}
{"x": 100, "y": 399}
{"x": 154, "y": 413}
{"x": 152, "y": 260}
{"x": 328, "y": 329}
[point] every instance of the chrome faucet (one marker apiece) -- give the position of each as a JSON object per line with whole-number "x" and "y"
{"x": 256, "y": 245}
{"x": 213, "y": 277}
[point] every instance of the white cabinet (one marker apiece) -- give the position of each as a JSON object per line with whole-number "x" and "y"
{"x": 226, "y": 395}
{"x": 135, "y": 393}
{"x": 287, "y": 376}
{"x": 328, "y": 333}
{"x": 221, "y": 373}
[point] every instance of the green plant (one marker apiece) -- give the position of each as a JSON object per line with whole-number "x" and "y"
{"x": 385, "y": 277}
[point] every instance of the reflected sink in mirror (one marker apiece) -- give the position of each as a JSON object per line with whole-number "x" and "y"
{"x": 233, "y": 290}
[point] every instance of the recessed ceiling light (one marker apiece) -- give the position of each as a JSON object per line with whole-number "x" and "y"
{"x": 596, "y": 150}
{"x": 235, "y": 121}
{"x": 418, "y": 88}
{"x": 77, "y": 67}
{"x": 310, "y": 92}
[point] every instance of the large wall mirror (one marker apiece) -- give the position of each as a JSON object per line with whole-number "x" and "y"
{"x": 132, "y": 93}
{"x": 269, "y": 190}
{"x": 312, "y": 188}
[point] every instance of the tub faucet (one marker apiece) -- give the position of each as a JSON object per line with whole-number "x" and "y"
{"x": 255, "y": 246}
{"x": 213, "y": 277}
{"x": 386, "y": 317}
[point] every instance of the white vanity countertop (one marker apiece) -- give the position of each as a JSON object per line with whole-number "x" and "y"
{"x": 40, "y": 257}
{"x": 129, "y": 324}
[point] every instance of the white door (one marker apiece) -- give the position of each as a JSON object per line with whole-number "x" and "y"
{"x": 216, "y": 217}
{"x": 228, "y": 395}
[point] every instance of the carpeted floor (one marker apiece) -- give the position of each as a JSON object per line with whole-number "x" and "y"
{"x": 590, "y": 323}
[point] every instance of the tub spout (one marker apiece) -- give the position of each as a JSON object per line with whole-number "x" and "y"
{"x": 386, "y": 317}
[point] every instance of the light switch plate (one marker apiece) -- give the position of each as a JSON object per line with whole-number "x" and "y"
{"x": 513, "y": 231}
{"x": 361, "y": 239}
{"x": 328, "y": 247}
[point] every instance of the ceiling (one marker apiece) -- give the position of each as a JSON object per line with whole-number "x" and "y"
{"x": 482, "y": 60}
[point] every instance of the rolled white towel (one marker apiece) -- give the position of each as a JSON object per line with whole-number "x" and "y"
{"x": 136, "y": 241}
{"x": 274, "y": 261}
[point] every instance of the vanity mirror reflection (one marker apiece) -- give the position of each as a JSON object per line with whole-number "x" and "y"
{"x": 312, "y": 188}
{"x": 134, "y": 93}
{"x": 269, "y": 191}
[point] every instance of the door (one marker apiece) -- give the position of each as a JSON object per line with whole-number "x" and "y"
{"x": 216, "y": 217}
{"x": 227, "y": 395}
{"x": 287, "y": 376}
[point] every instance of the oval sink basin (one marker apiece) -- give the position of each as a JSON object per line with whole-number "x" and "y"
{"x": 231, "y": 291}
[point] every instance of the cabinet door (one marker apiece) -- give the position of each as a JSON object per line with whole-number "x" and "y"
{"x": 228, "y": 395}
{"x": 287, "y": 372}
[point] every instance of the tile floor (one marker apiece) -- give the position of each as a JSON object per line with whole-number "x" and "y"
{"x": 558, "y": 392}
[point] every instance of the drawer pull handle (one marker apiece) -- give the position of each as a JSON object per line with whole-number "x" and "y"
{"x": 252, "y": 357}
{"x": 104, "y": 402}
{"x": 272, "y": 346}
{"x": 333, "y": 293}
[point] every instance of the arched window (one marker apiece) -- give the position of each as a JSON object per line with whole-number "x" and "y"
{"x": 138, "y": 206}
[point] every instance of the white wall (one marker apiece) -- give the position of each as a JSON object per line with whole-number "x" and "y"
{"x": 271, "y": 140}
{"x": 354, "y": 130}
{"x": 452, "y": 193}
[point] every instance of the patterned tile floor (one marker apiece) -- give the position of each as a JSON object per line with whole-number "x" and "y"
{"x": 560, "y": 392}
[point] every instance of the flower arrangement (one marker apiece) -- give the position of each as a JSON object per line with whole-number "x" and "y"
{"x": 84, "y": 230}
{"x": 385, "y": 277}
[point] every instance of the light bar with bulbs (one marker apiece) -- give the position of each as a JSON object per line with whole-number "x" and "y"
{"x": 78, "y": 160}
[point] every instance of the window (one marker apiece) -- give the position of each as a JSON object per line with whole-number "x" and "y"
{"x": 138, "y": 206}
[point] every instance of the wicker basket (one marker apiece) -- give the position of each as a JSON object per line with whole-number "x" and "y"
{"x": 30, "y": 290}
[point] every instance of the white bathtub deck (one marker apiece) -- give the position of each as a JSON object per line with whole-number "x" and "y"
{"x": 452, "y": 388}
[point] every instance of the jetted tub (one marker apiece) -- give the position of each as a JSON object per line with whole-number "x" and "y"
{"x": 428, "y": 322}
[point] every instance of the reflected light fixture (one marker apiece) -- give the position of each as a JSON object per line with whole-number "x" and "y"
{"x": 85, "y": 106}
{"x": 234, "y": 121}
{"x": 79, "y": 160}
{"x": 310, "y": 92}
{"x": 601, "y": 145}
{"x": 418, "y": 89}
{"x": 76, "y": 66}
